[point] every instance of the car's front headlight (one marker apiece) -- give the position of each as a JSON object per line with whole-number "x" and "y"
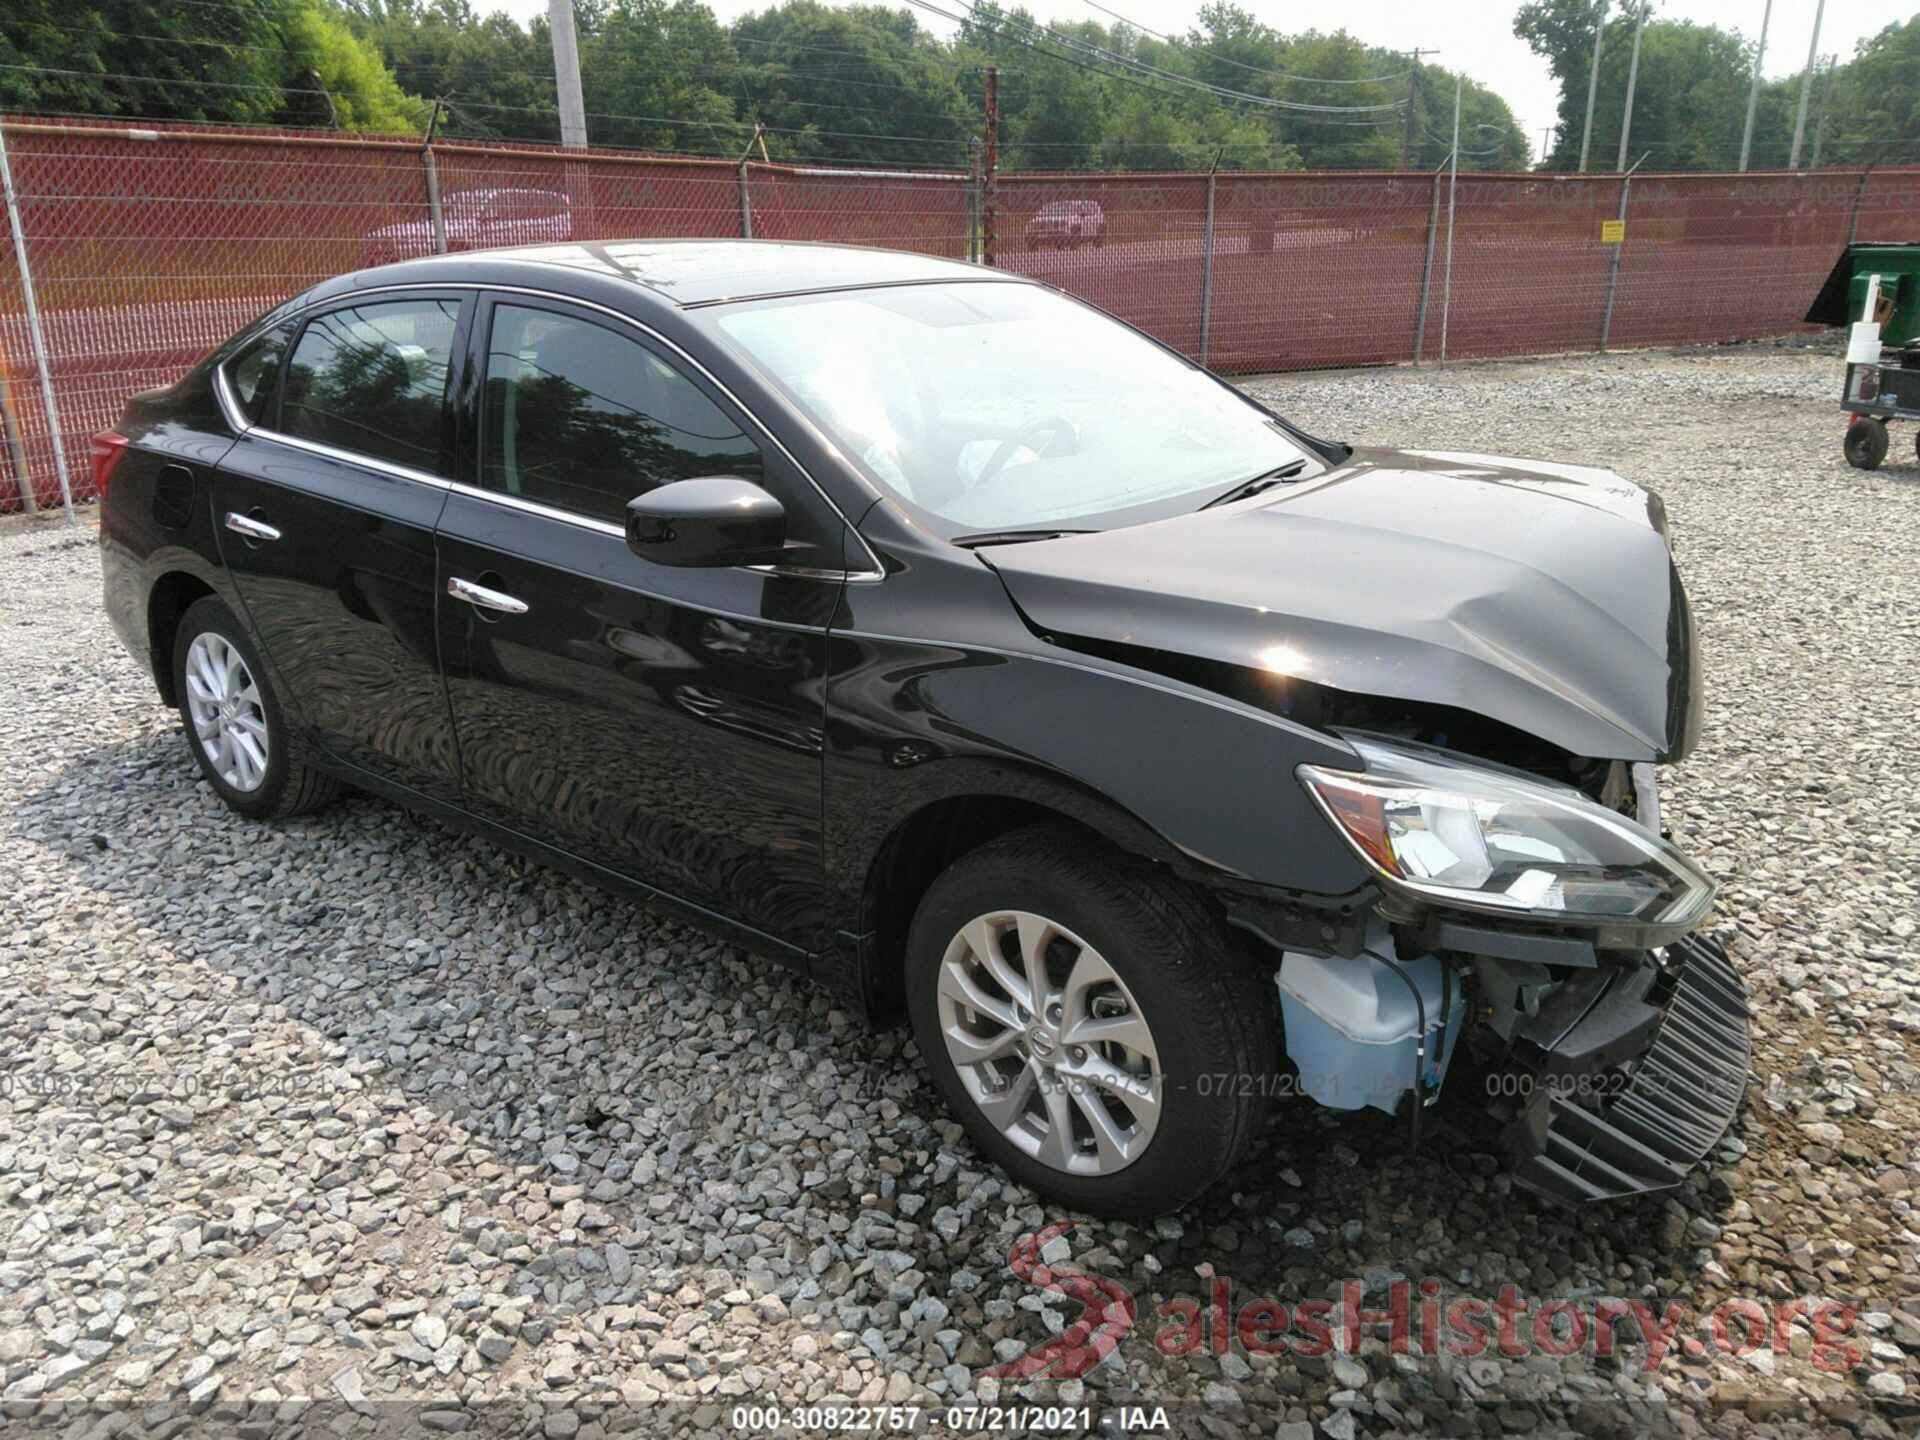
{"x": 1454, "y": 833}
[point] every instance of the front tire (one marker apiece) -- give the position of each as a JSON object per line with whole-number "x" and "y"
{"x": 1866, "y": 444}
{"x": 1088, "y": 1022}
{"x": 234, "y": 723}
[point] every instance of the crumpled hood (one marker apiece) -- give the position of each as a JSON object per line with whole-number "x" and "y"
{"x": 1538, "y": 594}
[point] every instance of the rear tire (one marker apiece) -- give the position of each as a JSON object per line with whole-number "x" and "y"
{"x": 233, "y": 720}
{"x": 1866, "y": 444}
{"x": 1152, "y": 1042}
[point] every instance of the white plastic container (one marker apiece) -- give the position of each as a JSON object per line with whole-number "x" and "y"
{"x": 1353, "y": 1027}
{"x": 1863, "y": 343}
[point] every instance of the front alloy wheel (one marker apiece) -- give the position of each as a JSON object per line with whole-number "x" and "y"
{"x": 1050, "y": 1043}
{"x": 1089, "y": 1022}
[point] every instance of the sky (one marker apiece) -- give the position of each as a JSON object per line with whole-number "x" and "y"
{"x": 1469, "y": 35}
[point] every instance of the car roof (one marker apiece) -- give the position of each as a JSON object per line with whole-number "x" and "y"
{"x": 707, "y": 272}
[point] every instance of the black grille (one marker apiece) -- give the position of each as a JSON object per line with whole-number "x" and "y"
{"x": 1681, "y": 1097}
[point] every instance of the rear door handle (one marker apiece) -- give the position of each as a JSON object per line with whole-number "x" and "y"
{"x": 251, "y": 528}
{"x": 486, "y": 599}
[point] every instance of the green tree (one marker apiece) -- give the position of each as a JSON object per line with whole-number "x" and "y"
{"x": 1690, "y": 100}
{"x": 335, "y": 78}
{"x": 654, "y": 76}
{"x": 496, "y": 75}
{"x": 1490, "y": 138}
{"x": 290, "y": 61}
{"x": 1874, "y": 115}
{"x": 857, "y": 83}
{"x": 150, "y": 59}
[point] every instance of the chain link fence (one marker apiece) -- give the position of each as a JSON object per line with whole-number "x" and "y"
{"x": 141, "y": 249}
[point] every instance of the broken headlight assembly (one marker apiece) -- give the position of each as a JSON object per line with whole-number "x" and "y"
{"x": 1450, "y": 832}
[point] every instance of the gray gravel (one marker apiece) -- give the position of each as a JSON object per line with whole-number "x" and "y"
{"x": 359, "y": 1109}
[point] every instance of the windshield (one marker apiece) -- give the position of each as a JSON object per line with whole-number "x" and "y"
{"x": 1000, "y": 407}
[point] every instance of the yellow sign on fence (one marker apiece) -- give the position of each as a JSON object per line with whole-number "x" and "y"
{"x": 1612, "y": 232}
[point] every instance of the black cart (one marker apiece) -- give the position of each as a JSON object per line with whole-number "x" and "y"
{"x": 1876, "y": 284}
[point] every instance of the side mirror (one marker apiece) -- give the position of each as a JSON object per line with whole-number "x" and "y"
{"x": 714, "y": 520}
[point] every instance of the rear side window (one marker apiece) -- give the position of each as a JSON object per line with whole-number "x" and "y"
{"x": 373, "y": 379}
{"x": 581, "y": 417}
{"x": 251, "y": 374}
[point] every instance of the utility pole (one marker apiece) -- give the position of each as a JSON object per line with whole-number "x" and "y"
{"x": 1453, "y": 190}
{"x": 992, "y": 162}
{"x": 1633, "y": 76}
{"x": 974, "y": 220}
{"x": 1806, "y": 85}
{"x": 1593, "y": 82}
{"x": 1826, "y": 100}
{"x": 1753, "y": 90}
{"x": 566, "y": 73}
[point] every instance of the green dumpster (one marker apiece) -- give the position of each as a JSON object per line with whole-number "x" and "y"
{"x": 1843, "y": 299}
{"x": 1883, "y": 351}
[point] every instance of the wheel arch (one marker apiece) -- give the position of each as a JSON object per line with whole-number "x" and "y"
{"x": 167, "y": 600}
{"x": 921, "y": 844}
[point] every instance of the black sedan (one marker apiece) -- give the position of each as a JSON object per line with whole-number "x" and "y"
{"x": 992, "y": 664}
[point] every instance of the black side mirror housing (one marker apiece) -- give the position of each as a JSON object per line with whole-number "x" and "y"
{"x": 714, "y": 520}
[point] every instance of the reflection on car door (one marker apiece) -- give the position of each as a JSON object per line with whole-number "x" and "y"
{"x": 663, "y": 723}
{"x": 325, "y": 512}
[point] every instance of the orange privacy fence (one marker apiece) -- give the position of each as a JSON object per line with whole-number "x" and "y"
{"x": 146, "y": 247}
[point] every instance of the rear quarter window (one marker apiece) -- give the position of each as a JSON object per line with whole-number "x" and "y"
{"x": 255, "y": 371}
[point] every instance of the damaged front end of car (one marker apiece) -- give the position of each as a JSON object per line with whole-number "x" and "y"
{"x": 1539, "y": 939}
{"x": 1507, "y": 648}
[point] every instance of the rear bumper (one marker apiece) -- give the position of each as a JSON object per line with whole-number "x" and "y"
{"x": 1635, "y": 1091}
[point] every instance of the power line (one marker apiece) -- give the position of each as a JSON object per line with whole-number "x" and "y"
{"x": 1238, "y": 65}
{"x": 166, "y": 80}
{"x": 1141, "y": 70}
{"x": 949, "y": 140}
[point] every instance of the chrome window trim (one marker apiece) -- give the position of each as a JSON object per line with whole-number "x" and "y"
{"x": 229, "y": 402}
{"x": 534, "y": 507}
{"x": 873, "y": 573}
{"x": 607, "y": 527}
{"x": 353, "y": 457}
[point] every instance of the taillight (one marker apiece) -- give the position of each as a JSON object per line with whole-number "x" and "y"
{"x": 105, "y": 449}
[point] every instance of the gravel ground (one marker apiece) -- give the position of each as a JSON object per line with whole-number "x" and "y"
{"x": 359, "y": 1109}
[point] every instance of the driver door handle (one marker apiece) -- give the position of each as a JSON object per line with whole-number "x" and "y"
{"x": 251, "y": 528}
{"x": 486, "y": 599}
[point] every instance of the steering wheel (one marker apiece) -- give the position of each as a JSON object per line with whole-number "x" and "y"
{"x": 1063, "y": 438}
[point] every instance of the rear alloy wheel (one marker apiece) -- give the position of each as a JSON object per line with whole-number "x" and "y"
{"x": 1088, "y": 1022}
{"x": 234, "y": 724}
{"x": 1866, "y": 443}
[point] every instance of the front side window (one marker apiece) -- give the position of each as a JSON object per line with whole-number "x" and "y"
{"x": 1005, "y": 406}
{"x": 581, "y": 417}
{"x": 373, "y": 379}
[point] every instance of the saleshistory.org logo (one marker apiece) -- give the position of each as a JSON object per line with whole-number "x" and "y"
{"x": 1418, "y": 1321}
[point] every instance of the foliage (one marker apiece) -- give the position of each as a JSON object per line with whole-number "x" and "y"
{"x": 1875, "y": 107}
{"x": 501, "y": 73}
{"x": 861, "y": 82}
{"x": 149, "y": 59}
{"x": 335, "y": 78}
{"x": 1690, "y": 99}
{"x": 867, "y": 83}
{"x": 284, "y": 61}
